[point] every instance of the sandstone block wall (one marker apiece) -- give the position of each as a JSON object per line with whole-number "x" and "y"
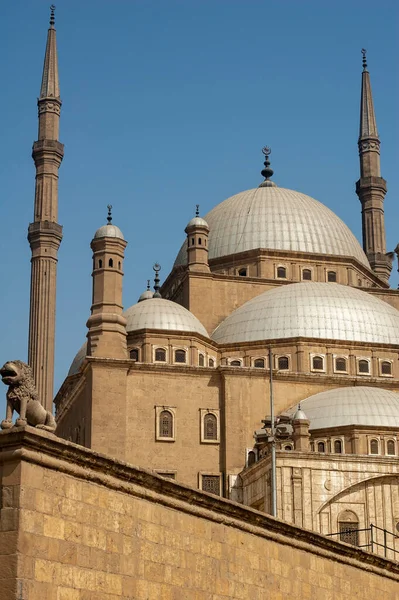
{"x": 90, "y": 528}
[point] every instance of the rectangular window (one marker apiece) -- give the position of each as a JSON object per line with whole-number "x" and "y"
{"x": 348, "y": 532}
{"x": 211, "y": 484}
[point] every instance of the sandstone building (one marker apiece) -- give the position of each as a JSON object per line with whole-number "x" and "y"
{"x": 270, "y": 293}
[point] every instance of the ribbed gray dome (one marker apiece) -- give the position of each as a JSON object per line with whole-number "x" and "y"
{"x": 77, "y": 361}
{"x": 158, "y": 313}
{"x": 109, "y": 231}
{"x": 279, "y": 219}
{"x": 352, "y": 406}
{"x": 314, "y": 310}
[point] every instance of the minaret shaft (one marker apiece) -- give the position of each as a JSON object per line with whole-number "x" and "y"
{"x": 44, "y": 233}
{"x": 371, "y": 187}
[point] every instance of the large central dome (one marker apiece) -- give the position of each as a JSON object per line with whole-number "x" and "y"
{"x": 278, "y": 219}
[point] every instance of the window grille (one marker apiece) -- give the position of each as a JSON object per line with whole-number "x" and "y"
{"x": 259, "y": 363}
{"x": 386, "y": 368}
{"x": 391, "y": 447}
{"x": 317, "y": 363}
{"x": 160, "y": 355}
{"x": 338, "y": 447}
{"x": 281, "y": 272}
{"x": 331, "y": 276}
{"x": 210, "y": 427}
{"x": 211, "y": 484}
{"x": 340, "y": 364}
{"x": 307, "y": 275}
{"x": 364, "y": 366}
{"x": 166, "y": 424}
{"x": 348, "y": 532}
{"x": 374, "y": 447}
{"x": 180, "y": 356}
{"x": 134, "y": 354}
{"x": 283, "y": 363}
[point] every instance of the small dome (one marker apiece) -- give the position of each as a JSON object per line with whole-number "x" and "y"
{"x": 197, "y": 222}
{"x": 109, "y": 230}
{"x": 146, "y": 295}
{"x": 275, "y": 218}
{"x": 312, "y": 310}
{"x": 357, "y": 405}
{"x": 300, "y": 415}
{"x": 158, "y": 313}
{"x": 77, "y": 361}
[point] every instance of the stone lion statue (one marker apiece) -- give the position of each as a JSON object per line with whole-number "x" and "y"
{"x": 22, "y": 398}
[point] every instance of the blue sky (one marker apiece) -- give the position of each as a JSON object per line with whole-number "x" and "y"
{"x": 167, "y": 104}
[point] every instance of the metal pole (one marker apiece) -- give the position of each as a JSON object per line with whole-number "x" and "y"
{"x": 273, "y": 434}
{"x": 371, "y": 537}
{"x": 385, "y": 543}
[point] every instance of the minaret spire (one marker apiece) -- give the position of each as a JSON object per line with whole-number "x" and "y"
{"x": 45, "y": 234}
{"x": 371, "y": 187}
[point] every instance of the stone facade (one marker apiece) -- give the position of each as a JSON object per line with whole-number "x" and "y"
{"x": 76, "y": 525}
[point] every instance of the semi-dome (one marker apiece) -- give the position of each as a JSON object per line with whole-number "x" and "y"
{"x": 358, "y": 405}
{"x": 109, "y": 230}
{"x": 278, "y": 219}
{"x": 158, "y": 313}
{"x": 313, "y": 310}
{"x": 77, "y": 361}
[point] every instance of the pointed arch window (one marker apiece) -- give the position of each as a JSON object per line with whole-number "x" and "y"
{"x": 211, "y": 362}
{"x": 391, "y": 448}
{"x": 210, "y": 427}
{"x": 321, "y": 447}
{"x": 348, "y": 526}
{"x": 201, "y": 360}
{"x": 110, "y": 263}
{"x": 100, "y": 264}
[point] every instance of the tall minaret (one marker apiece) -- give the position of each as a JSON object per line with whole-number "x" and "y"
{"x": 45, "y": 233}
{"x": 371, "y": 187}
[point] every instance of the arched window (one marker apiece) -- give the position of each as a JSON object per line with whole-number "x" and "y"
{"x": 110, "y": 262}
{"x": 331, "y": 276}
{"x": 251, "y": 458}
{"x": 281, "y": 272}
{"x": 338, "y": 447}
{"x": 321, "y": 447}
{"x": 359, "y": 282}
{"x": 288, "y": 448}
{"x": 119, "y": 265}
{"x": 391, "y": 447}
{"x": 364, "y": 366}
{"x": 192, "y": 241}
{"x": 386, "y": 368}
{"x": 211, "y": 362}
{"x": 200, "y": 241}
{"x": 180, "y": 356}
{"x": 134, "y": 354}
{"x": 201, "y": 360}
{"x": 340, "y": 364}
{"x": 100, "y": 264}
{"x": 160, "y": 355}
{"x": 348, "y": 526}
{"x": 283, "y": 363}
{"x": 235, "y": 363}
{"x": 317, "y": 363}
{"x": 307, "y": 275}
{"x": 259, "y": 363}
{"x": 166, "y": 424}
{"x": 374, "y": 447}
{"x": 242, "y": 272}
{"x": 210, "y": 427}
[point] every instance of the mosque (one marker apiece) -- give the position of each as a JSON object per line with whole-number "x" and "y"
{"x": 270, "y": 295}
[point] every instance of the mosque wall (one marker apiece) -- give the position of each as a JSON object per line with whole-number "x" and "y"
{"x": 91, "y": 527}
{"x": 315, "y": 491}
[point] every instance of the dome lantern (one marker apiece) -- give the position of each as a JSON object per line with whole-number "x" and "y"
{"x": 197, "y": 231}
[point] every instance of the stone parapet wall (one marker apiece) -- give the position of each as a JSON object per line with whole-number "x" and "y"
{"x": 76, "y": 525}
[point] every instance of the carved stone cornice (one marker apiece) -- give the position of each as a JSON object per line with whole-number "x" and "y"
{"x": 49, "y": 105}
{"x": 369, "y": 145}
{"x": 47, "y": 150}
